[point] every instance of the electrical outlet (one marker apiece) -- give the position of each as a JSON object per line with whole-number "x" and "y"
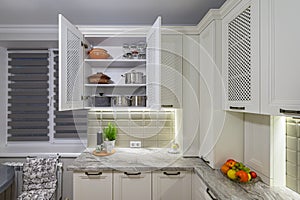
{"x": 135, "y": 144}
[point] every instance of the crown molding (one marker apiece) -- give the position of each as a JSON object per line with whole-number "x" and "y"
{"x": 228, "y": 6}
{"x": 113, "y": 30}
{"x": 28, "y": 28}
{"x": 28, "y": 32}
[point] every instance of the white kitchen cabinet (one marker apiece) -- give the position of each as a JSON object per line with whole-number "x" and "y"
{"x": 218, "y": 128}
{"x": 132, "y": 186}
{"x": 241, "y": 57}
{"x": 200, "y": 189}
{"x": 74, "y": 90}
{"x": 171, "y": 70}
{"x": 280, "y": 57}
{"x": 190, "y": 92}
{"x": 175, "y": 185}
{"x": 93, "y": 185}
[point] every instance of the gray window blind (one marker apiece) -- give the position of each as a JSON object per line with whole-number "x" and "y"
{"x": 28, "y": 96}
{"x": 33, "y": 80}
{"x": 68, "y": 124}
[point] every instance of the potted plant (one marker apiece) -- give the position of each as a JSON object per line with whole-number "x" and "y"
{"x": 110, "y": 134}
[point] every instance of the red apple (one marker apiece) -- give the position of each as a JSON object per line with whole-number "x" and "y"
{"x": 230, "y": 160}
{"x": 230, "y": 163}
{"x": 253, "y": 174}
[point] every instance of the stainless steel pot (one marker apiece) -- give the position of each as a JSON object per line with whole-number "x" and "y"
{"x": 121, "y": 101}
{"x": 138, "y": 101}
{"x": 100, "y": 101}
{"x": 133, "y": 77}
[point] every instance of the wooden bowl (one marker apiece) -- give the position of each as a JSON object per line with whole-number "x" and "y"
{"x": 98, "y": 53}
{"x": 99, "y": 78}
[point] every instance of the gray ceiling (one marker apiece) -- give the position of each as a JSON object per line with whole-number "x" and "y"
{"x": 106, "y": 12}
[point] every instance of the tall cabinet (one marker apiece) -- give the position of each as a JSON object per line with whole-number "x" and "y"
{"x": 217, "y": 128}
{"x": 75, "y": 66}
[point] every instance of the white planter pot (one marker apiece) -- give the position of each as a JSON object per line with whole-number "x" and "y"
{"x": 109, "y": 146}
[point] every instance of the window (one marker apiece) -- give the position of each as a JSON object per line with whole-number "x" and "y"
{"x": 32, "y": 100}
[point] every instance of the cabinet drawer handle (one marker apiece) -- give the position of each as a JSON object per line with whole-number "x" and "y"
{"x": 171, "y": 174}
{"x": 211, "y": 196}
{"x": 167, "y": 106}
{"x": 237, "y": 108}
{"x": 93, "y": 174}
{"x": 206, "y": 161}
{"x": 291, "y": 112}
{"x": 132, "y": 174}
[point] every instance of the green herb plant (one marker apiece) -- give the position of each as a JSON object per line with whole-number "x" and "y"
{"x": 110, "y": 132}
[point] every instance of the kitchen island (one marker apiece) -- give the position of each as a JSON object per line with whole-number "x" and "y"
{"x": 159, "y": 159}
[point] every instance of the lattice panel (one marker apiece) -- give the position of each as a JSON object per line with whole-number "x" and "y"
{"x": 151, "y": 64}
{"x": 171, "y": 73}
{"x": 239, "y": 57}
{"x": 73, "y": 65}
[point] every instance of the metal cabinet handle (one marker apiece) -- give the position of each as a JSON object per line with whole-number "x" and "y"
{"x": 132, "y": 174}
{"x": 93, "y": 174}
{"x": 211, "y": 196}
{"x": 237, "y": 108}
{"x": 289, "y": 112}
{"x": 171, "y": 174}
{"x": 167, "y": 106}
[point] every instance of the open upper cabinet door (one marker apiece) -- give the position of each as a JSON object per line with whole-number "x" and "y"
{"x": 70, "y": 66}
{"x": 153, "y": 67}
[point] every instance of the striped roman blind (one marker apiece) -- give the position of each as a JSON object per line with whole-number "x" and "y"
{"x": 68, "y": 124}
{"x": 32, "y": 115}
{"x": 28, "y": 95}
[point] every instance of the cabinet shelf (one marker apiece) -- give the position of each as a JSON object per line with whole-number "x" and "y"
{"x": 115, "y": 62}
{"x": 115, "y": 85}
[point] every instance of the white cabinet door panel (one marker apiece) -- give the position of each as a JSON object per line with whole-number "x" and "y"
{"x": 92, "y": 185}
{"x": 190, "y": 92}
{"x": 280, "y": 56}
{"x": 241, "y": 58}
{"x": 70, "y": 66}
{"x": 132, "y": 186}
{"x": 153, "y": 67}
{"x": 171, "y": 71}
{"x": 174, "y": 185}
{"x": 199, "y": 190}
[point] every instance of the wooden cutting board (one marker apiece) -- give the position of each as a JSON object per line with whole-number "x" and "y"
{"x": 103, "y": 153}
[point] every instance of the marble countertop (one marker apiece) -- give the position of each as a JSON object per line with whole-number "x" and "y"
{"x": 141, "y": 159}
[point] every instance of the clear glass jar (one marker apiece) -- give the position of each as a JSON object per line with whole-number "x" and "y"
{"x": 126, "y": 51}
{"x": 142, "y": 49}
{"x": 134, "y": 51}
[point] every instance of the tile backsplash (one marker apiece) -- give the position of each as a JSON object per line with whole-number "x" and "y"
{"x": 293, "y": 153}
{"x": 152, "y": 128}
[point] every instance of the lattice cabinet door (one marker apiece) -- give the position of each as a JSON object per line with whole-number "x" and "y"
{"x": 171, "y": 70}
{"x": 153, "y": 66}
{"x": 70, "y": 66}
{"x": 241, "y": 57}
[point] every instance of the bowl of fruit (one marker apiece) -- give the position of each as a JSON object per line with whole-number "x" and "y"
{"x": 237, "y": 171}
